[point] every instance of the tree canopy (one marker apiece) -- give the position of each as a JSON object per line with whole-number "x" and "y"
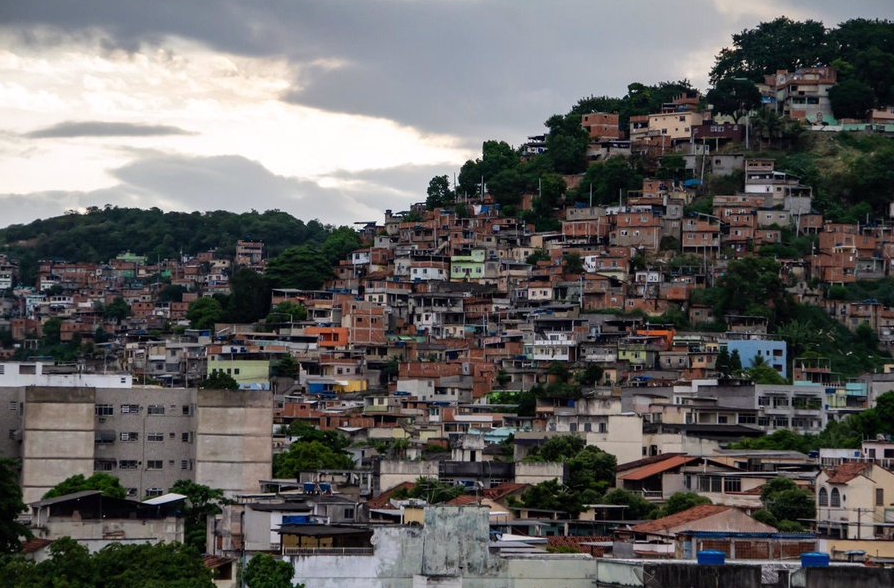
{"x": 105, "y": 483}
{"x": 11, "y": 505}
{"x": 202, "y": 502}
{"x": 264, "y": 571}
{"x": 135, "y": 565}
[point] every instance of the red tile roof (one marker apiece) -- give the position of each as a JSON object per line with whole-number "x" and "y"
{"x": 846, "y": 472}
{"x": 463, "y": 500}
{"x": 32, "y": 545}
{"x": 681, "y": 518}
{"x": 623, "y": 467}
{"x": 647, "y": 471}
{"x": 383, "y": 500}
{"x": 503, "y": 490}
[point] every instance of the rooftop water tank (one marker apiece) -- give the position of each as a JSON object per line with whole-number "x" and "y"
{"x": 814, "y": 559}
{"x": 711, "y": 557}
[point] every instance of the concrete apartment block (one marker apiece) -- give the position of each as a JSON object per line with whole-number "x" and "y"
{"x": 234, "y": 439}
{"x": 58, "y": 437}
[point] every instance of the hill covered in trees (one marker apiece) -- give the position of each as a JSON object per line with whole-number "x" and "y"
{"x": 102, "y": 233}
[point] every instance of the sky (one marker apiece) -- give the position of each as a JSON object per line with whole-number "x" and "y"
{"x": 326, "y": 109}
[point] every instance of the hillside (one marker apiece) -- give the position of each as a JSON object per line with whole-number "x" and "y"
{"x": 103, "y": 233}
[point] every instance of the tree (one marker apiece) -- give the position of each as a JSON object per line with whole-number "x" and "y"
{"x": 722, "y": 363}
{"x": 11, "y": 506}
{"x": 338, "y": 244}
{"x": 302, "y": 267}
{"x": 287, "y": 367}
{"x": 558, "y": 448}
{"x": 735, "y": 362}
{"x": 117, "y": 310}
{"x": 171, "y": 565}
{"x": 787, "y": 502}
{"x": 108, "y": 484}
{"x": 680, "y": 501}
{"x": 552, "y": 495}
{"x": 432, "y": 490}
{"x": 537, "y": 255}
{"x": 439, "y": 193}
{"x": 591, "y": 469}
{"x": 220, "y": 380}
{"x": 572, "y": 263}
{"x": 202, "y": 502}
{"x": 851, "y": 99}
{"x": 263, "y": 571}
{"x": 637, "y": 507}
{"x": 286, "y": 311}
{"x": 734, "y": 97}
{"x": 764, "y": 374}
{"x": 52, "y": 331}
{"x": 250, "y": 297}
{"x": 309, "y": 456}
{"x": 204, "y": 313}
{"x": 771, "y": 46}
{"x": 566, "y": 143}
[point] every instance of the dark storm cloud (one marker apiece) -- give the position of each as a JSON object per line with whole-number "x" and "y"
{"x": 104, "y": 129}
{"x": 475, "y": 68}
{"x": 230, "y": 182}
{"x": 479, "y": 69}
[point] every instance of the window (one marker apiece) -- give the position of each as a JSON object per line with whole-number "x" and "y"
{"x": 186, "y": 464}
{"x": 151, "y": 492}
{"x": 132, "y": 436}
{"x": 104, "y": 465}
{"x": 12, "y": 433}
{"x": 127, "y": 464}
{"x": 104, "y": 410}
{"x": 130, "y": 408}
{"x": 156, "y": 409}
{"x": 880, "y": 497}
{"x": 13, "y": 405}
{"x": 155, "y": 464}
{"x": 823, "y": 497}
{"x": 349, "y": 513}
{"x": 187, "y": 410}
{"x": 131, "y": 491}
{"x": 186, "y": 437}
{"x": 835, "y": 498}
{"x": 155, "y": 436}
{"x": 732, "y": 485}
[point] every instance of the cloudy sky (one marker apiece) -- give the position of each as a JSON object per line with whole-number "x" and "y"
{"x": 328, "y": 109}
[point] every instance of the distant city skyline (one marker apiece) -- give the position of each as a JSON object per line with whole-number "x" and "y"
{"x": 333, "y": 110}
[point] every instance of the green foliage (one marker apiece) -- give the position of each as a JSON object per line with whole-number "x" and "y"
{"x": 764, "y": 374}
{"x": 551, "y": 495}
{"x": 609, "y": 179}
{"x": 431, "y": 490}
{"x": 572, "y": 263}
{"x": 537, "y": 255}
{"x": 765, "y": 516}
{"x": 680, "y": 501}
{"x": 439, "y": 193}
{"x": 249, "y": 299}
{"x": 11, "y": 505}
{"x": 103, "y": 233}
{"x": 108, "y": 484}
{"x": 787, "y": 503}
{"x": 263, "y": 571}
{"x": 640, "y": 99}
{"x": 771, "y": 46}
{"x": 734, "y": 97}
{"x": 203, "y": 502}
{"x": 851, "y": 99}
{"x": 204, "y": 313}
{"x": 286, "y": 311}
{"x": 220, "y": 380}
{"x": 591, "y": 469}
{"x": 117, "y": 310}
{"x": 313, "y": 450}
{"x": 287, "y": 367}
{"x": 637, "y": 507}
{"x": 298, "y": 267}
{"x": 558, "y": 448}
{"x": 136, "y": 565}
{"x": 566, "y": 143}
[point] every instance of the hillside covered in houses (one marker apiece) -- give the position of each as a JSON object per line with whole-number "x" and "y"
{"x": 664, "y": 303}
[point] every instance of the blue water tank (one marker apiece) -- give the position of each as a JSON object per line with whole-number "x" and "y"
{"x": 711, "y": 557}
{"x": 814, "y": 559}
